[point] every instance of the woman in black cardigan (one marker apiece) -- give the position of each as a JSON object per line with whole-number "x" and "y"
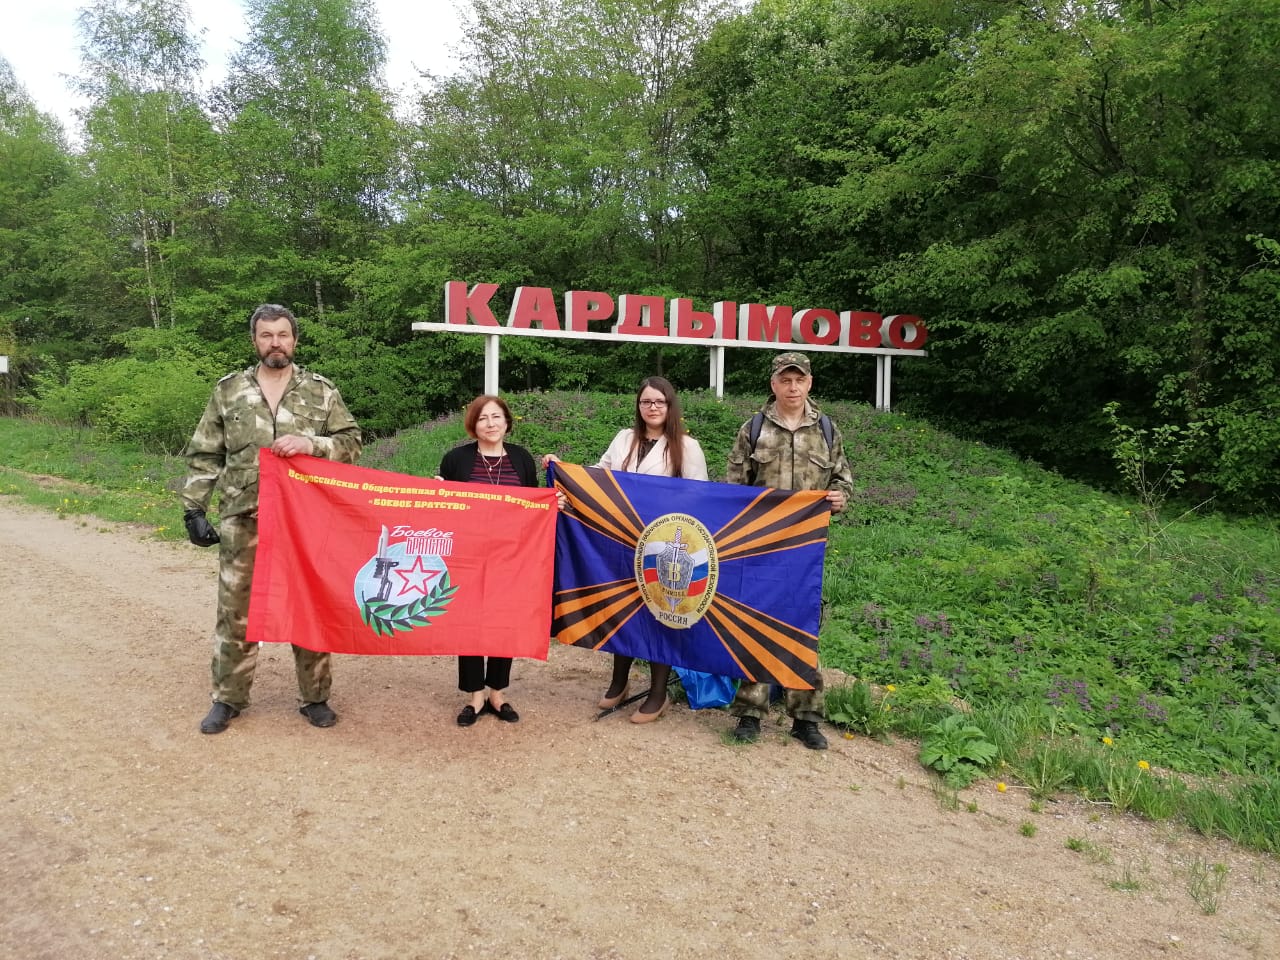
{"x": 487, "y": 460}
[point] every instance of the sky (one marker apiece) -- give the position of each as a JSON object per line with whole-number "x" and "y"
{"x": 39, "y": 39}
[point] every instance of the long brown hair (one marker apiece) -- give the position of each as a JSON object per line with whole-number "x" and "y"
{"x": 673, "y": 429}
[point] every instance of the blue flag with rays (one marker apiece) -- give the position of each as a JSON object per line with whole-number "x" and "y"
{"x": 714, "y": 577}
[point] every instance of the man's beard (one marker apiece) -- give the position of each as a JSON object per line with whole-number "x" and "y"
{"x": 277, "y": 360}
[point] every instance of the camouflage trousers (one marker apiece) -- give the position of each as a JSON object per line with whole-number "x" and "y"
{"x": 752, "y": 700}
{"x": 234, "y": 660}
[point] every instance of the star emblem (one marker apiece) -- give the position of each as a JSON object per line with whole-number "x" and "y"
{"x": 416, "y": 578}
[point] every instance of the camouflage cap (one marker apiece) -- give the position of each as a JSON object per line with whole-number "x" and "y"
{"x": 784, "y": 360}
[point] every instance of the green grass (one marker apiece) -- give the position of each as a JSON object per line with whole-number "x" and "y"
{"x": 70, "y": 472}
{"x": 959, "y": 573}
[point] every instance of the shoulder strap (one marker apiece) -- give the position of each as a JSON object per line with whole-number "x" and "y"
{"x": 824, "y": 422}
{"x": 828, "y": 431}
{"x": 753, "y": 434}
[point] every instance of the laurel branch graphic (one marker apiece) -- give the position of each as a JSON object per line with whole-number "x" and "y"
{"x": 388, "y": 618}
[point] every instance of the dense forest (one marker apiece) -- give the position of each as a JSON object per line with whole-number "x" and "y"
{"x": 1081, "y": 199}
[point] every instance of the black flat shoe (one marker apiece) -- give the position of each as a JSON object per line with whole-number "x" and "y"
{"x": 468, "y": 716}
{"x": 506, "y": 713}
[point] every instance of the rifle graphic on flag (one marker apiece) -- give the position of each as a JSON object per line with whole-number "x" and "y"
{"x": 353, "y": 560}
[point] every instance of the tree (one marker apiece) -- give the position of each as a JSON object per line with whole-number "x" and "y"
{"x": 1066, "y": 192}
{"x": 148, "y": 146}
{"x": 313, "y": 145}
{"x": 35, "y": 170}
{"x": 558, "y": 157}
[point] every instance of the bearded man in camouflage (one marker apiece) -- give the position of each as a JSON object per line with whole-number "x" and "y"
{"x": 789, "y": 445}
{"x": 292, "y": 411}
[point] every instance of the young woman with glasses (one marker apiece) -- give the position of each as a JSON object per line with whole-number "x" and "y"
{"x": 655, "y": 444}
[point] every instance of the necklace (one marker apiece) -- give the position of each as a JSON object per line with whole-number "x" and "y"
{"x": 489, "y": 468}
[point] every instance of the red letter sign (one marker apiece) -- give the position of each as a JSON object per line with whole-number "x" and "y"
{"x": 458, "y": 304}
{"x": 583, "y": 306}
{"x": 533, "y": 307}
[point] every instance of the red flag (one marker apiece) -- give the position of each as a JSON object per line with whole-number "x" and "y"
{"x": 353, "y": 560}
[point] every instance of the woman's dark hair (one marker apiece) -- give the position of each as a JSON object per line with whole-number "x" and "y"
{"x": 673, "y": 429}
{"x": 475, "y": 406}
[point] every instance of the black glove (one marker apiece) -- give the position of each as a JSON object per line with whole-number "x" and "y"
{"x": 199, "y": 530}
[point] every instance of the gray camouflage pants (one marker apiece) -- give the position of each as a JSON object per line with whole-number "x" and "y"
{"x": 234, "y": 660}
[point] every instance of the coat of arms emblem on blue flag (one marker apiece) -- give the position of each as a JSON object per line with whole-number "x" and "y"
{"x": 715, "y": 577}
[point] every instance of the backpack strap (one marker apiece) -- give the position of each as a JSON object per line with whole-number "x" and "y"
{"x": 753, "y": 434}
{"x": 824, "y": 423}
{"x": 828, "y": 431}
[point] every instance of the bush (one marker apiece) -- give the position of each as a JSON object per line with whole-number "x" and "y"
{"x": 153, "y": 397}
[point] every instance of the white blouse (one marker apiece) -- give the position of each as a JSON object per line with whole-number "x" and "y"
{"x": 655, "y": 464}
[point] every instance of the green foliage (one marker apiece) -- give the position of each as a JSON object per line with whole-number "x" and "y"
{"x": 389, "y": 618}
{"x": 1129, "y": 880}
{"x": 74, "y": 473}
{"x": 1206, "y": 883}
{"x": 997, "y": 169}
{"x": 1095, "y": 852}
{"x": 958, "y": 749}
{"x": 1151, "y": 463}
{"x": 856, "y": 706}
{"x": 1069, "y": 196}
{"x": 152, "y": 398}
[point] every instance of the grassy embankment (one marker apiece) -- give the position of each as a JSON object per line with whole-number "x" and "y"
{"x": 1099, "y": 648}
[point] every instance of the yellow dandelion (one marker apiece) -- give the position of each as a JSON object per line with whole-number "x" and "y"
{"x": 1143, "y": 765}
{"x": 848, "y": 735}
{"x": 891, "y": 688}
{"x": 1001, "y": 788}
{"x": 1107, "y": 741}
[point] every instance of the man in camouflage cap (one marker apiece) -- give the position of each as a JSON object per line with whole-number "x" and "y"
{"x": 789, "y": 445}
{"x": 292, "y": 411}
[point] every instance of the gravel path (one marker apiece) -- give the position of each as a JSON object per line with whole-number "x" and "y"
{"x": 398, "y": 835}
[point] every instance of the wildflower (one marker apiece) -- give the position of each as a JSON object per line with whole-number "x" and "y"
{"x": 848, "y": 735}
{"x": 1143, "y": 765}
{"x": 1107, "y": 741}
{"x": 891, "y": 688}
{"x": 1001, "y": 788}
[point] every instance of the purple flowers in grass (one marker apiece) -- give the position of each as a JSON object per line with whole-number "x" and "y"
{"x": 939, "y": 624}
{"x": 1152, "y": 709}
{"x": 1063, "y": 691}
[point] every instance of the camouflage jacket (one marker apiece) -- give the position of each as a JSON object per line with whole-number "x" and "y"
{"x": 223, "y": 452}
{"x": 790, "y": 459}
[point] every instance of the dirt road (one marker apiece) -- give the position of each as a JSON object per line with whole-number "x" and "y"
{"x": 396, "y": 834}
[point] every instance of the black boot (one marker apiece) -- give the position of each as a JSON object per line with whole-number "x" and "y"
{"x": 220, "y": 714}
{"x": 748, "y": 730}
{"x": 807, "y": 732}
{"x": 319, "y": 714}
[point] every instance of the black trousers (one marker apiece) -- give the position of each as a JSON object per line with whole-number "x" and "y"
{"x": 474, "y": 676}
